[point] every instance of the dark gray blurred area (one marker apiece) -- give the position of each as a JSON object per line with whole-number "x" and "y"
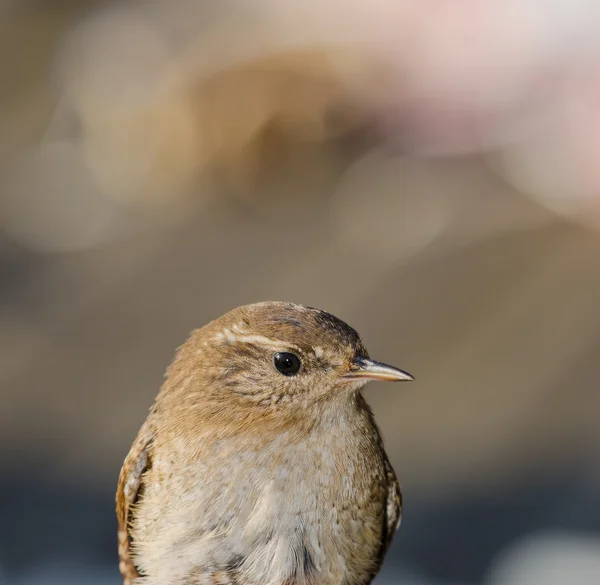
{"x": 489, "y": 298}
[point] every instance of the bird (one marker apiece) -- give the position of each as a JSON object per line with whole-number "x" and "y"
{"x": 260, "y": 462}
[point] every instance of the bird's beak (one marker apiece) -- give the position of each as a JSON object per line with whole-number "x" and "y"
{"x": 367, "y": 369}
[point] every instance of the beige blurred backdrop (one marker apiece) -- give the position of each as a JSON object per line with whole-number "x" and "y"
{"x": 161, "y": 163}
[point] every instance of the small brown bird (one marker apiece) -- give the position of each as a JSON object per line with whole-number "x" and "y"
{"x": 260, "y": 462}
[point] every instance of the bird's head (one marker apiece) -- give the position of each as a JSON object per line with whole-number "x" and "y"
{"x": 276, "y": 353}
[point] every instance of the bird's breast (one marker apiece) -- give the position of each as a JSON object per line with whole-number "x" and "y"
{"x": 307, "y": 511}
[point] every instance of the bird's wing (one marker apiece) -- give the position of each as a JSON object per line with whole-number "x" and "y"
{"x": 128, "y": 489}
{"x": 394, "y": 505}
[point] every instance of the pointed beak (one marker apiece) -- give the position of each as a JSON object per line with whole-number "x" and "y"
{"x": 367, "y": 369}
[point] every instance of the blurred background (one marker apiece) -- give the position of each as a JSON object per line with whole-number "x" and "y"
{"x": 428, "y": 171}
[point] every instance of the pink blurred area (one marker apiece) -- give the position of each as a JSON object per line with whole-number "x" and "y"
{"x": 516, "y": 81}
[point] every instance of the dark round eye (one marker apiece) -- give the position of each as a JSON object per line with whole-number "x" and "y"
{"x": 287, "y": 363}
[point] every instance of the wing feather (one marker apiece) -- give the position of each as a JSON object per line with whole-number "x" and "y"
{"x": 394, "y": 505}
{"x": 128, "y": 490}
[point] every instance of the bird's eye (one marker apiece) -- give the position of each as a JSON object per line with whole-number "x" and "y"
{"x": 288, "y": 364}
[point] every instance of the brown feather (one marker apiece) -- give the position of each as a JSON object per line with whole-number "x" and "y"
{"x": 128, "y": 490}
